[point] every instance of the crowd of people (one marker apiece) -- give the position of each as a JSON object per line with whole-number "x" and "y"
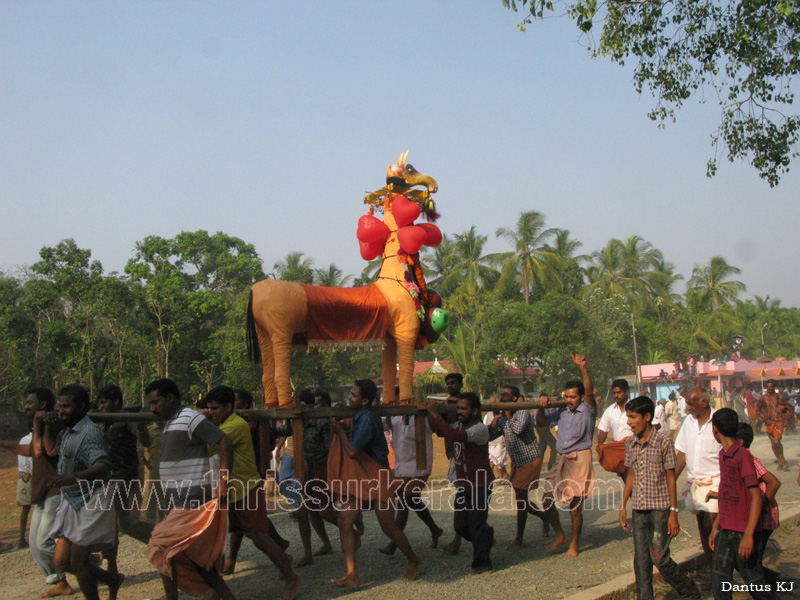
{"x": 200, "y": 481}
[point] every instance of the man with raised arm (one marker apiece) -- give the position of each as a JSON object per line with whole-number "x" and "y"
{"x": 572, "y": 478}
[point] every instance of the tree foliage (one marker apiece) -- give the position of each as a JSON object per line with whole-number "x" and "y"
{"x": 179, "y": 309}
{"x": 743, "y": 54}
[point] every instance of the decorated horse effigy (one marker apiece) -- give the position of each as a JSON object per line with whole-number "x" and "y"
{"x": 396, "y": 313}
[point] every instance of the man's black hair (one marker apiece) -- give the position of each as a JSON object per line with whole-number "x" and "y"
{"x": 368, "y": 389}
{"x": 457, "y": 376}
{"x": 726, "y": 421}
{"x": 78, "y": 394}
{"x": 306, "y": 397}
{"x": 621, "y": 384}
{"x": 326, "y": 397}
{"x": 245, "y": 396}
{"x": 745, "y": 433}
{"x": 111, "y": 392}
{"x": 44, "y": 395}
{"x": 164, "y": 387}
{"x": 574, "y": 383}
{"x": 474, "y": 400}
{"x": 514, "y": 390}
{"x": 222, "y": 395}
{"x": 641, "y": 405}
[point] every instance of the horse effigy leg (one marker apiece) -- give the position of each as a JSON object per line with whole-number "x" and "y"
{"x": 268, "y": 368}
{"x": 282, "y": 357}
{"x": 389, "y": 361}
{"x": 405, "y": 358}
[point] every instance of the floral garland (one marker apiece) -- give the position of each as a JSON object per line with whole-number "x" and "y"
{"x": 413, "y": 289}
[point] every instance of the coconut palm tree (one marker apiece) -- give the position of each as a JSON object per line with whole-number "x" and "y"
{"x": 713, "y": 283}
{"x": 532, "y": 259}
{"x": 631, "y": 269}
{"x": 469, "y": 269}
{"x": 439, "y": 262}
{"x": 295, "y": 268}
{"x": 332, "y": 277}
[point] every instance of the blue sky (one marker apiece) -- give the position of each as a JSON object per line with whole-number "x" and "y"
{"x": 269, "y": 120}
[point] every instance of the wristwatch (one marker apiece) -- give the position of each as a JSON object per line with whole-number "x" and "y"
{"x": 673, "y": 509}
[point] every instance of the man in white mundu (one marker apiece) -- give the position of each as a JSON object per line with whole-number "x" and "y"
{"x": 698, "y": 451}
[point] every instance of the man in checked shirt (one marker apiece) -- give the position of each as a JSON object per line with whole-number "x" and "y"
{"x": 650, "y": 482}
{"x": 519, "y": 431}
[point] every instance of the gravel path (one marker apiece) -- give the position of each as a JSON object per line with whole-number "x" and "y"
{"x": 606, "y": 551}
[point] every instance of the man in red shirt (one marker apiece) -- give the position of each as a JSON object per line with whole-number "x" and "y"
{"x": 735, "y": 534}
{"x": 469, "y": 439}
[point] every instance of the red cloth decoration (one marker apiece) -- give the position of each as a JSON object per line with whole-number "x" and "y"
{"x": 405, "y": 212}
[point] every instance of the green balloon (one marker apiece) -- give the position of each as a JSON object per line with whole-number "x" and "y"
{"x": 440, "y": 319}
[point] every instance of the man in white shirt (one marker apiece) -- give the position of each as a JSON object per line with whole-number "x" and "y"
{"x": 660, "y": 416}
{"x": 414, "y": 479}
{"x": 611, "y": 456}
{"x": 498, "y": 455}
{"x": 698, "y": 451}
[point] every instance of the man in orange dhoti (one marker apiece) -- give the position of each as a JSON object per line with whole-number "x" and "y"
{"x": 187, "y": 546}
{"x": 358, "y": 473}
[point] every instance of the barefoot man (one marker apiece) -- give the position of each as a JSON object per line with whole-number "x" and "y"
{"x": 247, "y": 503}
{"x": 469, "y": 439}
{"x": 358, "y": 473}
{"x": 572, "y": 478}
{"x": 519, "y": 432}
{"x": 45, "y": 499}
{"x": 316, "y": 507}
{"x": 85, "y": 521}
{"x": 187, "y": 546}
{"x": 414, "y": 479}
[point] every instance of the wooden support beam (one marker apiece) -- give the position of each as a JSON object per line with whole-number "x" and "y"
{"x": 264, "y": 444}
{"x": 419, "y": 432}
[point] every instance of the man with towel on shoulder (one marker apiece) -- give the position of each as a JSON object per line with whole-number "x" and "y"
{"x": 611, "y": 455}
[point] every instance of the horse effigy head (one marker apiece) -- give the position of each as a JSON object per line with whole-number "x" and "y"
{"x": 403, "y": 175}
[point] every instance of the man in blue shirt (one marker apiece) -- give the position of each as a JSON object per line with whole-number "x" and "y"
{"x": 84, "y": 521}
{"x": 572, "y": 478}
{"x": 367, "y": 455}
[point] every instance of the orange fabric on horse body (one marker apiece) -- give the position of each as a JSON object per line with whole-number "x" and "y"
{"x": 345, "y": 314}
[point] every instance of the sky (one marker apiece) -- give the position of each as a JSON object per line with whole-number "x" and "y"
{"x": 269, "y": 120}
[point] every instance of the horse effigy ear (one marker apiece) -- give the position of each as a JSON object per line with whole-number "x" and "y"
{"x": 402, "y": 160}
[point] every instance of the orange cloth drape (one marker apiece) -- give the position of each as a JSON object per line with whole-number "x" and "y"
{"x": 186, "y": 538}
{"x": 361, "y": 478}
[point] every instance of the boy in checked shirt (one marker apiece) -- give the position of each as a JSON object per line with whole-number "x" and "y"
{"x": 650, "y": 485}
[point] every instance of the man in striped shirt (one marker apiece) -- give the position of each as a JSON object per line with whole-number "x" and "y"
{"x": 186, "y": 546}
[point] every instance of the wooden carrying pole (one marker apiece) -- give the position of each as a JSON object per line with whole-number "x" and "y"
{"x": 298, "y": 413}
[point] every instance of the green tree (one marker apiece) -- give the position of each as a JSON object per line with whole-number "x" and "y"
{"x": 532, "y": 260}
{"x": 331, "y": 277}
{"x": 630, "y": 269}
{"x": 713, "y": 284}
{"x": 743, "y": 52}
{"x": 295, "y": 268}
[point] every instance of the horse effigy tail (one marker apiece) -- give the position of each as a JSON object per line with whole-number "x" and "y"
{"x": 253, "y": 348}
